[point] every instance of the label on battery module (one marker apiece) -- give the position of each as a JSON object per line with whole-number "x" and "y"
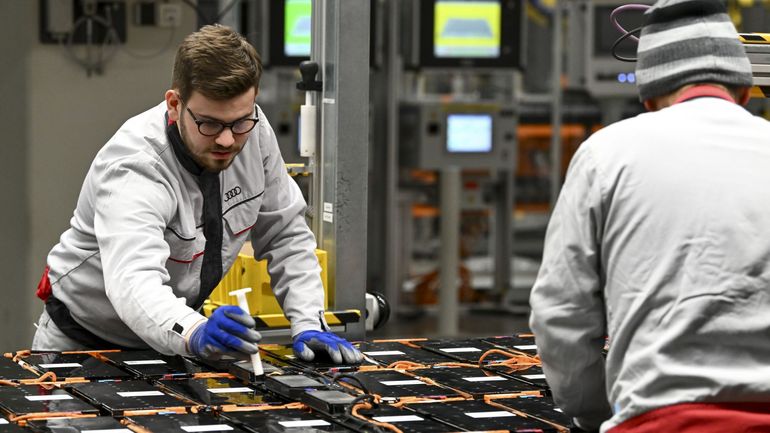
{"x": 484, "y": 379}
{"x": 145, "y": 362}
{"x": 491, "y": 414}
{"x": 141, "y": 394}
{"x": 384, "y": 353}
{"x": 210, "y": 427}
{"x": 533, "y": 376}
{"x": 460, "y": 349}
{"x": 402, "y": 382}
{"x": 303, "y": 423}
{"x": 49, "y": 397}
{"x": 229, "y": 390}
{"x": 108, "y": 430}
{"x": 397, "y": 418}
{"x": 527, "y": 347}
{"x": 61, "y": 365}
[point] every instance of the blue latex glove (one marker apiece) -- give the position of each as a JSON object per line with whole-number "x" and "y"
{"x": 228, "y": 330}
{"x": 308, "y": 343}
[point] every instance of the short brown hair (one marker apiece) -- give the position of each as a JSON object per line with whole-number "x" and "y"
{"x": 217, "y": 62}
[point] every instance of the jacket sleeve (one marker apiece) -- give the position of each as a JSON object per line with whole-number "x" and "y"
{"x": 132, "y": 205}
{"x": 568, "y": 314}
{"x": 282, "y": 236}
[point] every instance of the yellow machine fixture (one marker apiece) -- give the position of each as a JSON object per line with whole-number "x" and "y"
{"x": 757, "y": 47}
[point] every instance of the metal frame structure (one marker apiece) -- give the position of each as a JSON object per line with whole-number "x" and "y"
{"x": 341, "y": 48}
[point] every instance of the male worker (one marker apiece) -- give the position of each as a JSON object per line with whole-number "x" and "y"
{"x": 165, "y": 209}
{"x": 660, "y": 241}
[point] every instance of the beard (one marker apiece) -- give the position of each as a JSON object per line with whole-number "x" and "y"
{"x": 203, "y": 154}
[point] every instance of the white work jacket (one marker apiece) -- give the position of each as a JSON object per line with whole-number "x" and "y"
{"x": 660, "y": 240}
{"x": 129, "y": 266}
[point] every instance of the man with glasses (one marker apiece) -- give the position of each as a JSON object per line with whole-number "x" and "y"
{"x": 165, "y": 209}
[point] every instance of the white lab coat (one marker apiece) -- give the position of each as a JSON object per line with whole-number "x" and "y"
{"x": 661, "y": 240}
{"x": 128, "y": 268}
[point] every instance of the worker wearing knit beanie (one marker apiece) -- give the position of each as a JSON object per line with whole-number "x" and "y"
{"x": 686, "y": 42}
{"x": 658, "y": 245}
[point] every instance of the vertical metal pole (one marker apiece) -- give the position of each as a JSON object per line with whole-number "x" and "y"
{"x": 393, "y": 231}
{"x": 556, "y": 149}
{"x": 449, "y": 290}
{"x": 344, "y": 150}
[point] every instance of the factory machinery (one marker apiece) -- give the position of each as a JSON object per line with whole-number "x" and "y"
{"x": 410, "y": 386}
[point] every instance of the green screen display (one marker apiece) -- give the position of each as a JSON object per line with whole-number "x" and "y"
{"x": 466, "y": 29}
{"x": 297, "y": 34}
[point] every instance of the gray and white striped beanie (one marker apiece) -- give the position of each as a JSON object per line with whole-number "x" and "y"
{"x": 689, "y": 41}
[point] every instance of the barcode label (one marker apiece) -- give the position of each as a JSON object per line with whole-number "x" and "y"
{"x": 49, "y": 397}
{"x": 492, "y": 414}
{"x": 397, "y": 418}
{"x": 210, "y": 427}
{"x": 303, "y": 423}
{"x": 384, "y": 353}
{"x": 402, "y": 382}
{"x": 145, "y": 362}
{"x": 62, "y": 365}
{"x": 485, "y": 379}
{"x": 229, "y": 390}
{"x": 460, "y": 349}
{"x": 141, "y": 394}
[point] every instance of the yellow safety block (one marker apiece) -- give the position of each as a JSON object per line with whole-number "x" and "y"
{"x": 247, "y": 272}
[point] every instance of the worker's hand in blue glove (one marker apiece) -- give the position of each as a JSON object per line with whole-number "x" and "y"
{"x": 309, "y": 343}
{"x": 228, "y": 330}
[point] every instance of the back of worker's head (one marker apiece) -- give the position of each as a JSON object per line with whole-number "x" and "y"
{"x": 687, "y": 42}
{"x": 217, "y": 62}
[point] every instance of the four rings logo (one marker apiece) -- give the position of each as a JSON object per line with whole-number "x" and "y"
{"x": 232, "y": 193}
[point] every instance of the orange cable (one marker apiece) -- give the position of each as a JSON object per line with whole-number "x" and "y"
{"x": 367, "y": 405}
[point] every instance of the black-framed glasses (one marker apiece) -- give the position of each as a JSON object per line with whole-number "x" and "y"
{"x": 210, "y": 128}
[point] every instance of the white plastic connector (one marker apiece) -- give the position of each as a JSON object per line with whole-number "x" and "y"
{"x": 307, "y": 130}
{"x": 256, "y": 362}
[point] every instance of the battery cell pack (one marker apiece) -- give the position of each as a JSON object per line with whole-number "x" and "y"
{"x": 292, "y": 386}
{"x": 543, "y": 408}
{"x": 405, "y": 420}
{"x": 151, "y": 364}
{"x": 283, "y": 421}
{"x": 78, "y": 425}
{"x": 283, "y": 355}
{"x": 468, "y": 350}
{"x": 475, "y": 415}
{"x": 185, "y": 423}
{"x": 125, "y": 398}
{"x": 475, "y": 381}
{"x": 396, "y": 385}
{"x": 388, "y": 352}
{"x": 12, "y": 371}
{"x": 44, "y": 402}
{"x": 217, "y": 392}
{"x": 75, "y": 365}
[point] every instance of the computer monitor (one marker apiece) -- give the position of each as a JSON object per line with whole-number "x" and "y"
{"x": 465, "y": 33}
{"x": 296, "y": 28}
{"x": 281, "y": 30}
{"x": 433, "y": 135}
{"x": 469, "y": 133}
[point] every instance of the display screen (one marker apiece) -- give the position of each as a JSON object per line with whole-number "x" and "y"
{"x": 605, "y": 33}
{"x": 469, "y": 28}
{"x": 296, "y": 28}
{"x": 469, "y": 133}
